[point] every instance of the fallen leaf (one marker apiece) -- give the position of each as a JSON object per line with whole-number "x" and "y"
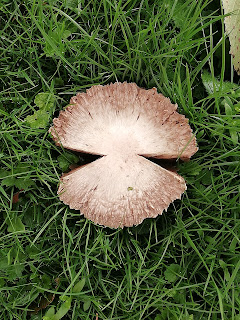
{"x": 16, "y": 196}
{"x": 44, "y": 301}
{"x": 232, "y": 25}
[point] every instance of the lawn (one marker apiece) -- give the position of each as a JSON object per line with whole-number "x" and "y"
{"x": 54, "y": 263}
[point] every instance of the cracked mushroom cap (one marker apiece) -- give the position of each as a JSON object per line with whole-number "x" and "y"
{"x": 123, "y": 123}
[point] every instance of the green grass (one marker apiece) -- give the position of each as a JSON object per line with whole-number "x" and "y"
{"x": 182, "y": 265}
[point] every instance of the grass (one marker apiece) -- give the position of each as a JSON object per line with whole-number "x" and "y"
{"x": 182, "y": 265}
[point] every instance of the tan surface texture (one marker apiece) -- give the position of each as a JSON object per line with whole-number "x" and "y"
{"x": 123, "y": 123}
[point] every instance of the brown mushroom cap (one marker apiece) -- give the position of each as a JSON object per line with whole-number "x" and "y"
{"x": 122, "y": 122}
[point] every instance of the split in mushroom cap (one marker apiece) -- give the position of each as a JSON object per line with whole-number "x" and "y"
{"x": 123, "y": 123}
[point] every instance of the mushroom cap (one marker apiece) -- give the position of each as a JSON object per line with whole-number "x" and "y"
{"x": 118, "y": 192}
{"x": 122, "y": 118}
{"x": 122, "y": 123}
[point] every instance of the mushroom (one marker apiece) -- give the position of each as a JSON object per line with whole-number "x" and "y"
{"x": 124, "y": 124}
